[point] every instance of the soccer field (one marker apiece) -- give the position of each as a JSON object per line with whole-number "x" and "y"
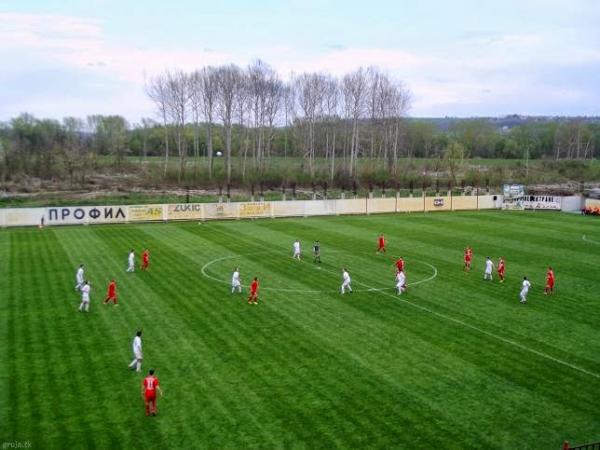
{"x": 455, "y": 362}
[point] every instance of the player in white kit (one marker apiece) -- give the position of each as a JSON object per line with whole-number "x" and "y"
{"x": 489, "y": 267}
{"x": 236, "y": 283}
{"x": 131, "y": 261}
{"x": 296, "y": 249}
{"x": 524, "y": 290}
{"x": 400, "y": 282}
{"x": 79, "y": 278}
{"x": 346, "y": 280}
{"x": 137, "y": 352}
{"x": 85, "y": 297}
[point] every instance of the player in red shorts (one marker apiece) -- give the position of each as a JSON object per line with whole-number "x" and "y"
{"x": 400, "y": 264}
{"x": 111, "y": 293}
{"x": 381, "y": 244}
{"x": 253, "y": 297}
{"x": 150, "y": 385}
{"x": 549, "y": 289}
{"x": 145, "y": 259}
{"x": 501, "y": 269}
{"x": 468, "y": 257}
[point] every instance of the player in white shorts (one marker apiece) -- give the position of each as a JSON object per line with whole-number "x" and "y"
{"x": 400, "y": 282}
{"x": 85, "y": 297}
{"x": 296, "y": 249}
{"x": 235, "y": 281}
{"x": 79, "y": 278}
{"x": 524, "y": 290}
{"x": 489, "y": 267}
{"x": 137, "y": 352}
{"x": 346, "y": 280}
{"x": 131, "y": 261}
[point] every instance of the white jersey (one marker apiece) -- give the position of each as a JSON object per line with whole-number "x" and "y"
{"x": 131, "y": 258}
{"x": 79, "y": 275}
{"x": 297, "y": 247}
{"x": 489, "y": 265}
{"x": 346, "y": 277}
{"x": 235, "y": 279}
{"x": 400, "y": 279}
{"x": 137, "y": 345}
{"x": 85, "y": 293}
{"x": 525, "y": 286}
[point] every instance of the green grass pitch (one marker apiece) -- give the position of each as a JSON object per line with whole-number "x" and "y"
{"x": 455, "y": 362}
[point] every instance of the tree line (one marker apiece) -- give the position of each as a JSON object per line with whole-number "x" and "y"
{"x": 333, "y": 125}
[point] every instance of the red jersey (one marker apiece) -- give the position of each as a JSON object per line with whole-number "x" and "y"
{"x": 381, "y": 241}
{"x": 501, "y": 266}
{"x": 550, "y": 277}
{"x": 112, "y": 289}
{"x": 150, "y": 383}
{"x": 145, "y": 257}
{"x": 254, "y": 287}
{"x": 467, "y": 256}
{"x": 400, "y": 265}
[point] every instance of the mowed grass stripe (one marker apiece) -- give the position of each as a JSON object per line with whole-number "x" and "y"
{"x": 232, "y": 240}
{"x": 293, "y": 345}
{"x": 482, "y": 309}
{"x": 184, "y": 305}
{"x": 319, "y": 370}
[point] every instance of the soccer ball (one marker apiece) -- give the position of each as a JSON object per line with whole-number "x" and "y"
{"x": 219, "y": 153}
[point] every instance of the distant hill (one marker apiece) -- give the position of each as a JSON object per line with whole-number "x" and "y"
{"x": 510, "y": 121}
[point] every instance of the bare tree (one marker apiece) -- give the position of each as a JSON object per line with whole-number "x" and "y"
{"x": 354, "y": 87}
{"x": 210, "y": 91}
{"x": 157, "y": 90}
{"x": 310, "y": 89}
{"x": 230, "y": 81}
{"x": 178, "y": 97}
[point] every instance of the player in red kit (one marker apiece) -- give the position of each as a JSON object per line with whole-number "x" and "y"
{"x": 549, "y": 289}
{"x": 501, "y": 269}
{"x": 253, "y": 297}
{"x": 400, "y": 264}
{"x": 150, "y": 385}
{"x": 468, "y": 257}
{"x": 381, "y": 244}
{"x": 145, "y": 259}
{"x": 111, "y": 293}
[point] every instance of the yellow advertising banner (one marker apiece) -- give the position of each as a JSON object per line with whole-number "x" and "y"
{"x": 185, "y": 211}
{"x": 145, "y": 212}
{"x": 256, "y": 209}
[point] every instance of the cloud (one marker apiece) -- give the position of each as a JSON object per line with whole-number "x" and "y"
{"x": 474, "y": 72}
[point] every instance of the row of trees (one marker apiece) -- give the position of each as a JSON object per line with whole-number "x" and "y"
{"x": 356, "y": 115}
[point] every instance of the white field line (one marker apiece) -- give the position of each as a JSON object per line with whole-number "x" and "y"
{"x": 591, "y": 241}
{"x": 427, "y": 310}
{"x": 304, "y": 291}
{"x": 493, "y": 335}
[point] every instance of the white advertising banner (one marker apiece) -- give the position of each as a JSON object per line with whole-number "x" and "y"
{"x": 288, "y": 208}
{"x": 411, "y": 204}
{"x": 18, "y": 217}
{"x": 255, "y": 209}
{"x": 220, "y": 211}
{"x": 71, "y": 215}
{"x": 319, "y": 207}
{"x": 381, "y": 205}
{"x": 351, "y": 206}
{"x": 185, "y": 211}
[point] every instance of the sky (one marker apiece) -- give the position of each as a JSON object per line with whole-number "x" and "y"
{"x": 457, "y": 58}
